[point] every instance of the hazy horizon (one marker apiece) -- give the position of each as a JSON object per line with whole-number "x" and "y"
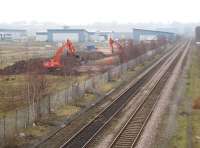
{"x": 88, "y": 12}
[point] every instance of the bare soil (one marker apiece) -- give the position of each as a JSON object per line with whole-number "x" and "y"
{"x": 36, "y": 65}
{"x": 196, "y": 104}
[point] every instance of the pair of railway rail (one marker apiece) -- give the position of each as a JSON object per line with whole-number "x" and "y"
{"x": 131, "y": 130}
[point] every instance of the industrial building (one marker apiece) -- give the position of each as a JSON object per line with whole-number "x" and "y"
{"x": 76, "y": 35}
{"x": 99, "y": 36}
{"x": 103, "y": 36}
{"x": 197, "y": 35}
{"x": 122, "y": 35}
{"x": 79, "y": 35}
{"x": 41, "y": 36}
{"x": 12, "y": 34}
{"x": 141, "y": 34}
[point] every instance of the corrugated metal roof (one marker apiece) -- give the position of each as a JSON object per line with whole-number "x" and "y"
{"x": 134, "y": 29}
{"x": 12, "y": 30}
{"x": 67, "y": 30}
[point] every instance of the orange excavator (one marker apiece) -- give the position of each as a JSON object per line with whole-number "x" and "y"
{"x": 55, "y": 62}
{"x": 115, "y": 44}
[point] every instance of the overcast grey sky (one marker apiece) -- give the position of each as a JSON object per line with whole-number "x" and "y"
{"x": 80, "y": 12}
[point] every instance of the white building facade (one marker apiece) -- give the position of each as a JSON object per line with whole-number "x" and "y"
{"x": 59, "y": 35}
{"x": 12, "y": 34}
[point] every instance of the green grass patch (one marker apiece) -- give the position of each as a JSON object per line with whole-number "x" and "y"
{"x": 196, "y": 128}
{"x": 179, "y": 140}
{"x": 193, "y": 91}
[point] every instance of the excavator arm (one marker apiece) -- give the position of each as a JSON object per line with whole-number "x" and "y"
{"x": 70, "y": 47}
{"x": 117, "y": 45}
{"x": 111, "y": 42}
{"x": 55, "y": 62}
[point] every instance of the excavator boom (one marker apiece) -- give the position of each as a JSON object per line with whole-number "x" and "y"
{"x": 70, "y": 47}
{"x": 55, "y": 62}
{"x": 117, "y": 45}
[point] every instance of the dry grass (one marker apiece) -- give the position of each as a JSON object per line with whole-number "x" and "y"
{"x": 86, "y": 99}
{"x": 111, "y": 85}
{"x": 67, "y": 110}
{"x": 12, "y": 89}
{"x": 12, "y": 51}
{"x": 36, "y": 131}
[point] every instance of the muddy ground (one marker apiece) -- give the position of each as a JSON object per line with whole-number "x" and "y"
{"x": 71, "y": 63}
{"x": 36, "y": 65}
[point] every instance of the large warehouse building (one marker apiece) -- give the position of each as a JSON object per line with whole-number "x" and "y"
{"x": 76, "y": 35}
{"x": 79, "y": 35}
{"x": 12, "y": 34}
{"x": 197, "y": 35}
{"x": 141, "y": 34}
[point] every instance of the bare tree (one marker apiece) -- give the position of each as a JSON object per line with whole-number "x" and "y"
{"x": 36, "y": 89}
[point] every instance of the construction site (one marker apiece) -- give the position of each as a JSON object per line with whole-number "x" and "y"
{"x": 67, "y": 62}
{"x": 30, "y": 75}
{"x": 50, "y": 90}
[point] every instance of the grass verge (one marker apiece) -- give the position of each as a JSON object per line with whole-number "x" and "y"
{"x": 188, "y": 118}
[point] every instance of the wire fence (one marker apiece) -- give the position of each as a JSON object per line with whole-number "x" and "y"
{"x": 11, "y": 123}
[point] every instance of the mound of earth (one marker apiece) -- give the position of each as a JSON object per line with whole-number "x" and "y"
{"x": 92, "y": 55}
{"x": 36, "y": 66}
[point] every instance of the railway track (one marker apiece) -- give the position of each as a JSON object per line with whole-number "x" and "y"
{"x": 58, "y": 137}
{"x": 85, "y": 135}
{"x": 132, "y": 129}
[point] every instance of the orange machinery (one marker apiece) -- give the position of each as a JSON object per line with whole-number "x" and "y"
{"x": 115, "y": 44}
{"x": 55, "y": 62}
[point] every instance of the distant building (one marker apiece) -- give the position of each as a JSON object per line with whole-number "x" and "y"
{"x": 76, "y": 35}
{"x": 12, "y": 34}
{"x": 99, "y": 36}
{"x": 103, "y": 36}
{"x": 197, "y": 35}
{"x": 141, "y": 34}
{"x": 122, "y": 35}
{"x": 66, "y": 27}
{"x": 41, "y": 36}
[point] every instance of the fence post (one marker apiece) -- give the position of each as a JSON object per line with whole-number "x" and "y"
{"x": 109, "y": 75}
{"x": 4, "y": 127}
{"x": 49, "y": 104}
{"x": 65, "y": 96}
{"x": 28, "y": 114}
{"x": 16, "y": 120}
